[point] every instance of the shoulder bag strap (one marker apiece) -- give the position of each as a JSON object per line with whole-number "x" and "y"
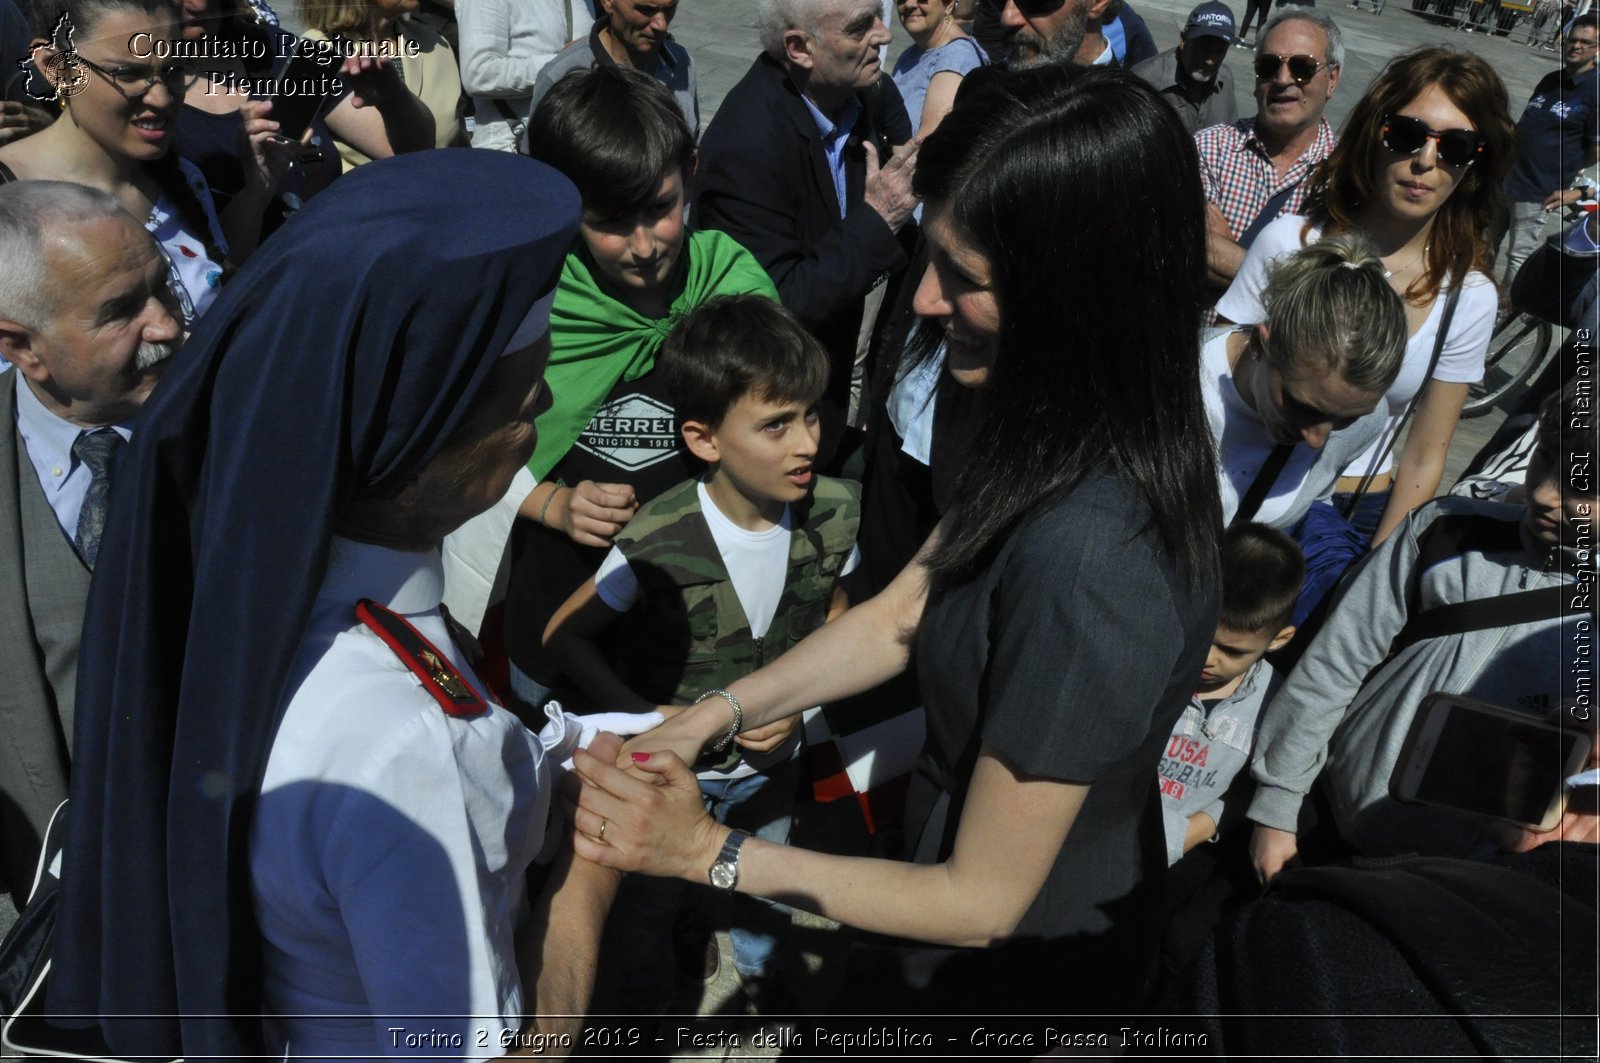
{"x": 1411, "y": 407}
{"x": 1257, "y": 491}
{"x": 1268, "y": 212}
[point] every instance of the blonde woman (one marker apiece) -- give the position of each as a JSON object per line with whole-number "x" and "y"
{"x": 1419, "y": 171}
{"x": 426, "y": 63}
{"x": 930, "y": 71}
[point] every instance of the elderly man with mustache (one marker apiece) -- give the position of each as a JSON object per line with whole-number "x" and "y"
{"x": 87, "y": 322}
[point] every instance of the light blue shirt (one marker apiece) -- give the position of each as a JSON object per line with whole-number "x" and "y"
{"x": 48, "y": 440}
{"x": 834, "y": 137}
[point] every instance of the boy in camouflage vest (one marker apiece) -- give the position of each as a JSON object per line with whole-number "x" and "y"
{"x": 715, "y": 577}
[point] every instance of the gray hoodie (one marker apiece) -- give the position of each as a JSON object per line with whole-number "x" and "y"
{"x": 1330, "y": 714}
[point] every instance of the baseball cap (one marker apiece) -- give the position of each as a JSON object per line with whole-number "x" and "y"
{"x": 1210, "y": 19}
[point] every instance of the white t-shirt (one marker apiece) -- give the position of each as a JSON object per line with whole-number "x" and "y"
{"x": 1461, "y": 361}
{"x": 757, "y": 564}
{"x": 1243, "y": 443}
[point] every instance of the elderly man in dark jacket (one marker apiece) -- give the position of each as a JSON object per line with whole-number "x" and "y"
{"x": 807, "y": 165}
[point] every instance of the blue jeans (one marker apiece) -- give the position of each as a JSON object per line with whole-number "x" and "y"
{"x": 1368, "y": 512}
{"x": 645, "y": 908}
{"x": 763, "y": 805}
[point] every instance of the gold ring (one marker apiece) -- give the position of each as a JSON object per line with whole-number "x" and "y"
{"x": 604, "y": 823}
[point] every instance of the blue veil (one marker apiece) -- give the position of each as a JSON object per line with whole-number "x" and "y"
{"x": 332, "y": 367}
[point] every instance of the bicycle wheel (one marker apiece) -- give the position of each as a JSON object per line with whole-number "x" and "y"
{"x": 1516, "y": 352}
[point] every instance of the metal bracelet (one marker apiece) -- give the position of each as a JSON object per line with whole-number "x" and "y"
{"x": 549, "y": 498}
{"x": 738, "y": 716}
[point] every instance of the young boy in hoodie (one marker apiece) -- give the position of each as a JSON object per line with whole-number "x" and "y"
{"x": 1344, "y": 712}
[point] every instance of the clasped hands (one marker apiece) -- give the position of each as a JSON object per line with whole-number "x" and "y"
{"x": 636, "y": 805}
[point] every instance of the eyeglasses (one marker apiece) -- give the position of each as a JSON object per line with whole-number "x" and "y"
{"x": 1405, "y": 135}
{"x": 134, "y": 81}
{"x": 1573, "y": 42}
{"x": 1302, "y": 68}
{"x": 1028, "y": 8}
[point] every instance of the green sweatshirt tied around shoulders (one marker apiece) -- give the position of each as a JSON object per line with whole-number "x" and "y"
{"x": 597, "y": 340}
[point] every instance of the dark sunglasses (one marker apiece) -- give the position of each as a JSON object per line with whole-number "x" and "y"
{"x": 1028, "y": 8}
{"x": 1302, "y": 68}
{"x": 1405, "y": 135}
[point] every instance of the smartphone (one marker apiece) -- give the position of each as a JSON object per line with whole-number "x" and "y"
{"x": 1482, "y": 760}
{"x": 304, "y": 89}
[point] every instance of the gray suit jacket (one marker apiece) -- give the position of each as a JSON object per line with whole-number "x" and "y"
{"x": 41, "y": 617}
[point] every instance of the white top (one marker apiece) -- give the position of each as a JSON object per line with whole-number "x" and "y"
{"x": 1243, "y": 442}
{"x": 388, "y": 850}
{"x": 757, "y": 564}
{"x": 195, "y": 277}
{"x": 912, "y": 402}
{"x": 49, "y": 439}
{"x": 1461, "y": 361}
{"x": 504, "y": 45}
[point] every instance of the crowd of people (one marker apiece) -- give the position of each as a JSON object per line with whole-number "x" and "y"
{"x": 429, "y": 516}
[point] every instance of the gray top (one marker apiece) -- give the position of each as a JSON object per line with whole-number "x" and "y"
{"x": 1209, "y": 747}
{"x": 1331, "y": 715}
{"x": 1215, "y": 106}
{"x": 674, "y": 69}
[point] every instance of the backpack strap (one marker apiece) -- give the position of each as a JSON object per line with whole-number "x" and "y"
{"x": 431, "y": 667}
{"x": 1461, "y": 533}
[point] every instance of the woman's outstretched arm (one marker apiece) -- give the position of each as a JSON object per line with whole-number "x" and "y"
{"x": 864, "y": 646}
{"x": 1012, "y": 829}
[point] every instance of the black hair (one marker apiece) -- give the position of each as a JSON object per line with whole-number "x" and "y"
{"x": 1567, "y": 431}
{"x": 167, "y": 170}
{"x": 1262, "y": 572}
{"x": 615, "y": 132}
{"x": 739, "y": 345}
{"x": 1588, "y": 18}
{"x": 1082, "y": 189}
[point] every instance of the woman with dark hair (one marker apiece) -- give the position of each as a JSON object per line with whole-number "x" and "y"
{"x": 1419, "y": 171}
{"x": 298, "y": 817}
{"x": 1060, "y": 612}
{"x": 119, "y": 109}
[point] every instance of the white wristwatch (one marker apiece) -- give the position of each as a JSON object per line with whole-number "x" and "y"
{"x": 724, "y": 873}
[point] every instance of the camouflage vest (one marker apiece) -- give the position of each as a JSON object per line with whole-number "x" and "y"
{"x": 687, "y": 633}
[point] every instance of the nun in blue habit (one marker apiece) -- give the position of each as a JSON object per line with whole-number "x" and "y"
{"x": 293, "y": 826}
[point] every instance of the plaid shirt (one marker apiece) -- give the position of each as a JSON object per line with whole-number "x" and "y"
{"x": 1239, "y": 175}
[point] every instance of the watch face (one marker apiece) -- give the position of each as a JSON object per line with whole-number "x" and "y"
{"x": 724, "y": 876}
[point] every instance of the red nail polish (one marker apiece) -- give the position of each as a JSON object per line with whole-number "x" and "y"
{"x": 640, "y": 758}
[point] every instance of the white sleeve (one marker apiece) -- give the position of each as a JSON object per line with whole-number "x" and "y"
{"x": 488, "y": 68}
{"x": 399, "y": 869}
{"x": 614, "y": 582}
{"x": 1461, "y": 361}
{"x": 1242, "y": 302}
